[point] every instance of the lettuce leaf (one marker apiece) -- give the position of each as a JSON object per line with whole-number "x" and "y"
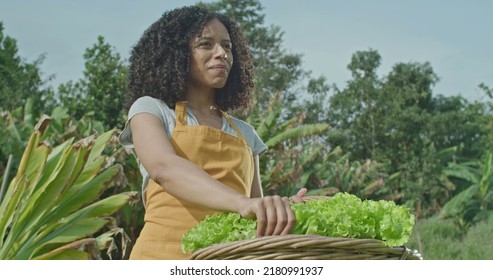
{"x": 218, "y": 228}
{"x": 343, "y": 215}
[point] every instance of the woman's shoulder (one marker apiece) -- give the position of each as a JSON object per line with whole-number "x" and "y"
{"x": 146, "y": 101}
{"x": 246, "y": 129}
{"x": 251, "y": 136}
{"x": 148, "y": 104}
{"x": 241, "y": 124}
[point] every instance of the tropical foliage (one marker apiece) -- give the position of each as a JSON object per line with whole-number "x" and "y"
{"x": 52, "y": 210}
{"x": 474, "y": 203}
{"x": 286, "y": 139}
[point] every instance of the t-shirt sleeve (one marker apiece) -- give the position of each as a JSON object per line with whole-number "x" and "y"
{"x": 256, "y": 144}
{"x": 144, "y": 104}
{"x": 259, "y": 146}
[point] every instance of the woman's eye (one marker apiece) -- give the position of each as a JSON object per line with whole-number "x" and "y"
{"x": 227, "y": 46}
{"x": 205, "y": 44}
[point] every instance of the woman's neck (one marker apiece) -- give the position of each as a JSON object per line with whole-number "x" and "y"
{"x": 204, "y": 109}
{"x": 201, "y": 100}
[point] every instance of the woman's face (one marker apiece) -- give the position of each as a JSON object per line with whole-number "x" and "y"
{"x": 211, "y": 58}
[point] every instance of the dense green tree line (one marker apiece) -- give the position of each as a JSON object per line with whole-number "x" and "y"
{"x": 379, "y": 137}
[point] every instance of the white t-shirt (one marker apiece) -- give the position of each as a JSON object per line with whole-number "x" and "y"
{"x": 147, "y": 104}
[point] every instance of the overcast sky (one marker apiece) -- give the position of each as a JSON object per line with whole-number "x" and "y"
{"x": 454, "y": 36}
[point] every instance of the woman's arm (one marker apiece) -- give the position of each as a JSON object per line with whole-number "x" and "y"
{"x": 185, "y": 180}
{"x": 256, "y": 190}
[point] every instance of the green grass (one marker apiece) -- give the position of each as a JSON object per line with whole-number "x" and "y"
{"x": 478, "y": 244}
{"x": 442, "y": 240}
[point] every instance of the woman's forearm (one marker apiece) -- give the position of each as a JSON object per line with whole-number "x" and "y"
{"x": 185, "y": 180}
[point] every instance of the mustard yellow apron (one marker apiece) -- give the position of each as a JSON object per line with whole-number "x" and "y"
{"x": 225, "y": 157}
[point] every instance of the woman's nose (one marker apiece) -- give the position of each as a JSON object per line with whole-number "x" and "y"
{"x": 220, "y": 52}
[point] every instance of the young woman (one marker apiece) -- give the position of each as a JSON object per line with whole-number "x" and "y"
{"x": 188, "y": 69}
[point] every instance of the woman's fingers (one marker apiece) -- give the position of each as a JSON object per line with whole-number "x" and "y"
{"x": 274, "y": 215}
{"x": 291, "y": 220}
{"x": 282, "y": 215}
{"x": 301, "y": 192}
{"x": 261, "y": 215}
{"x": 298, "y": 198}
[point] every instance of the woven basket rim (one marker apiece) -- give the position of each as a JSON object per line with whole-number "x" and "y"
{"x": 293, "y": 246}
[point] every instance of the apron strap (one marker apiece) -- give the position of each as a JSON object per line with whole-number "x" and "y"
{"x": 180, "y": 114}
{"x": 181, "y": 117}
{"x": 233, "y": 126}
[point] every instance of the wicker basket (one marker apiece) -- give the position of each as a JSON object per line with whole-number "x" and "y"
{"x": 305, "y": 247}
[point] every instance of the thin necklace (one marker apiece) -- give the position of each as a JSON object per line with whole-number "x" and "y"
{"x": 211, "y": 108}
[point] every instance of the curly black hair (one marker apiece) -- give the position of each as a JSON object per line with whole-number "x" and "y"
{"x": 160, "y": 61}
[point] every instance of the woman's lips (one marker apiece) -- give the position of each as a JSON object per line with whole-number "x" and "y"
{"x": 219, "y": 67}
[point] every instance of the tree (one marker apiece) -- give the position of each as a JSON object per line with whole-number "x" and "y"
{"x": 487, "y": 122}
{"x": 457, "y": 122}
{"x": 102, "y": 88}
{"x": 21, "y": 80}
{"x": 395, "y": 121}
{"x": 317, "y": 101}
{"x": 357, "y": 107}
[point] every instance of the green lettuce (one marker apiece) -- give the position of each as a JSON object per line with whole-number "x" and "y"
{"x": 343, "y": 215}
{"x": 218, "y": 228}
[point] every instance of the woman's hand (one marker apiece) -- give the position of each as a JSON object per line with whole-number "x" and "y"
{"x": 273, "y": 213}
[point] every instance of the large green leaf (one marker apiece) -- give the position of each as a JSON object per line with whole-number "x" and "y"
{"x": 83, "y": 249}
{"x": 33, "y": 172}
{"x": 297, "y": 132}
{"x": 8, "y": 209}
{"x": 28, "y": 171}
{"x": 53, "y": 159}
{"x": 459, "y": 203}
{"x": 101, "y": 208}
{"x": 484, "y": 183}
{"x": 461, "y": 171}
{"x": 100, "y": 144}
{"x": 106, "y": 206}
{"x": 67, "y": 254}
{"x": 78, "y": 196}
{"x": 267, "y": 124}
{"x": 78, "y": 229}
{"x": 91, "y": 169}
{"x": 46, "y": 196}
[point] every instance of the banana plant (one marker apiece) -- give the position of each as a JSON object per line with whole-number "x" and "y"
{"x": 52, "y": 210}
{"x": 475, "y": 202}
{"x": 291, "y": 147}
{"x": 335, "y": 173}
